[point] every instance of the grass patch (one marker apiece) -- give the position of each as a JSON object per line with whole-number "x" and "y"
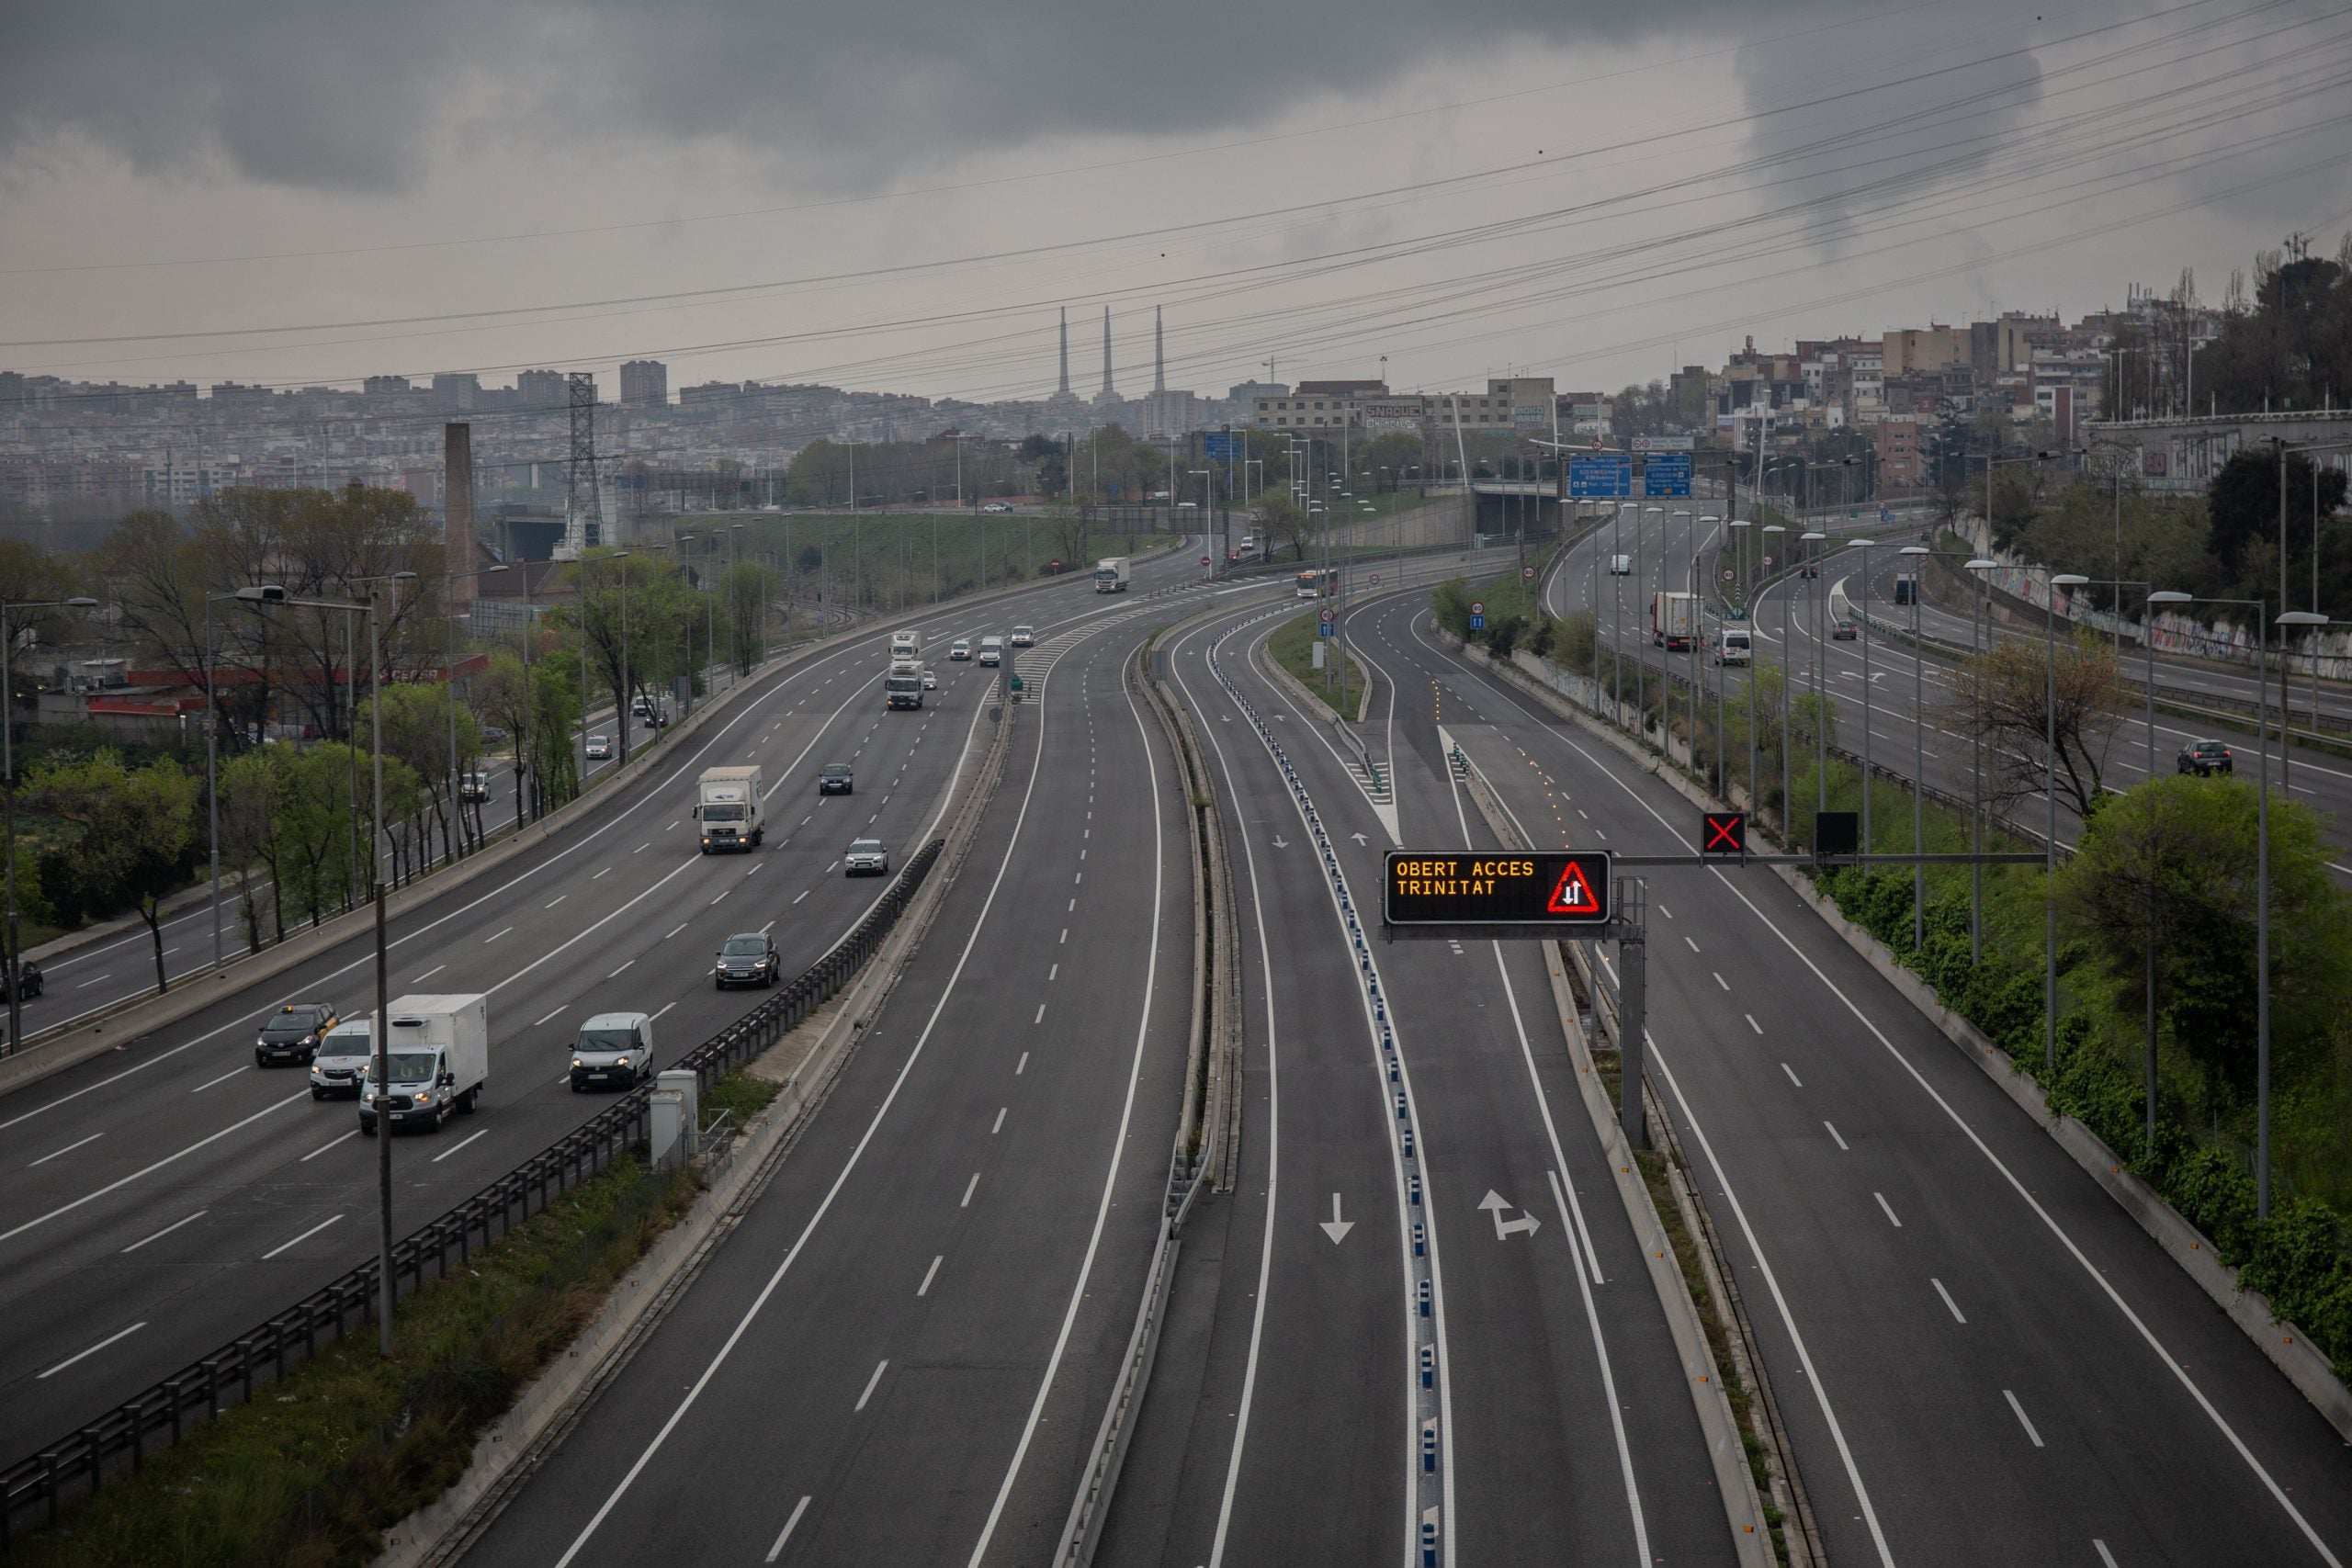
{"x": 1293, "y": 647}
{"x": 315, "y": 1469}
{"x": 741, "y": 1093}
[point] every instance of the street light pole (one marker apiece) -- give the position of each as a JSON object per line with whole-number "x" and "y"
{"x": 1820, "y": 697}
{"x": 2050, "y": 822}
{"x": 1918, "y": 755}
{"x": 15, "y": 975}
{"x": 1788, "y": 663}
{"x": 1978, "y": 566}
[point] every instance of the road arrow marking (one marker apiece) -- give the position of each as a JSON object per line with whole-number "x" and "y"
{"x": 1278, "y": 842}
{"x": 1493, "y": 1203}
{"x": 1358, "y": 838}
{"x": 1336, "y": 1227}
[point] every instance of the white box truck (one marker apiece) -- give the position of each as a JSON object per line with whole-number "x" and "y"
{"x": 1111, "y": 575}
{"x": 903, "y": 687}
{"x": 905, "y": 645}
{"x": 726, "y": 804}
{"x": 1674, "y": 619}
{"x": 438, "y": 1061}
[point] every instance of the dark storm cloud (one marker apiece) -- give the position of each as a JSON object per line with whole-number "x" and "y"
{"x": 351, "y": 98}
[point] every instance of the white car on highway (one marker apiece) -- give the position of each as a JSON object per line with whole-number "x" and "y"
{"x": 599, "y": 748}
{"x": 866, "y": 857}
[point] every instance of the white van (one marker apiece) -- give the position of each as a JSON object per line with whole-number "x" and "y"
{"x": 991, "y": 650}
{"x": 1620, "y": 566}
{"x": 613, "y": 1048}
{"x": 1732, "y": 646}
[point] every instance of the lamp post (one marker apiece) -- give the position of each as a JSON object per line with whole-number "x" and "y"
{"x": 2050, "y": 822}
{"x": 1723, "y": 678}
{"x": 1863, "y": 635}
{"x": 8, "y": 766}
{"x": 1977, "y": 567}
{"x": 1641, "y": 655}
{"x": 1918, "y": 755}
{"x": 457, "y": 793}
{"x": 380, "y": 1039}
{"x": 1820, "y": 697}
{"x": 1788, "y": 662}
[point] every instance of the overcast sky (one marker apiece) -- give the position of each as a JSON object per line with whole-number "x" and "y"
{"x": 900, "y": 194}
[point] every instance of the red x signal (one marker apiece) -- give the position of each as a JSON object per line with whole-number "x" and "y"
{"x": 1724, "y": 832}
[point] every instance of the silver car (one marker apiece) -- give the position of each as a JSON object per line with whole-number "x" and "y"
{"x": 866, "y": 857}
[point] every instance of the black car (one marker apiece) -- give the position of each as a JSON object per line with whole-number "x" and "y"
{"x": 31, "y": 971}
{"x": 1845, "y": 631}
{"x": 748, "y": 958}
{"x": 835, "y": 778}
{"x": 292, "y": 1033}
{"x": 2204, "y": 758}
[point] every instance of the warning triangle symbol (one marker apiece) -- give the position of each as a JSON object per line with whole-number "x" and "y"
{"x": 1573, "y": 895}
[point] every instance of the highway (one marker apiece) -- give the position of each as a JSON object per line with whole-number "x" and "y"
{"x": 170, "y": 1194}
{"x": 1785, "y": 613}
{"x": 1918, "y": 1256}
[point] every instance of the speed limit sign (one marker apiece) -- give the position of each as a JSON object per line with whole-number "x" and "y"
{"x": 1477, "y": 608}
{"x": 1375, "y": 580}
{"x": 1527, "y": 571}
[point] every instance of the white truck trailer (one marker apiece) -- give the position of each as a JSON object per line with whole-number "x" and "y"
{"x": 902, "y": 687}
{"x": 1111, "y": 575}
{"x": 728, "y": 805}
{"x": 1674, "y": 620}
{"x": 906, "y": 645}
{"x": 438, "y": 1061}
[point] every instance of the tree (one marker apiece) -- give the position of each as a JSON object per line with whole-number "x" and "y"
{"x": 2243, "y": 502}
{"x": 2013, "y": 716}
{"x": 1281, "y": 521}
{"x": 251, "y": 789}
{"x": 136, "y": 828}
{"x": 2166, "y": 872}
{"x": 745, "y": 591}
{"x": 502, "y": 695}
{"x": 316, "y": 825}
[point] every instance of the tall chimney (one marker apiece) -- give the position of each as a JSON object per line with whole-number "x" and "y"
{"x": 1109, "y": 392}
{"x": 1065, "y": 392}
{"x": 1159, "y": 355}
{"x": 457, "y": 506}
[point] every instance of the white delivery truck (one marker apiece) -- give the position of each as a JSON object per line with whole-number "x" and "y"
{"x": 438, "y": 1061}
{"x": 1111, "y": 575}
{"x": 991, "y": 652}
{"x": 903, "y": 687}
{"x": 1674, "y": 620}
{"x": 728, "y": 805}
{"x": 906, "y": 645}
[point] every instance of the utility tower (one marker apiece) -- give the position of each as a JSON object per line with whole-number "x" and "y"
{"x": 584, "y": 510}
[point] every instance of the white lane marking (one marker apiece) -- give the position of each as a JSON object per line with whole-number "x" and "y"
{"x": 225, "y": 1077}
{"x": 1065, "y": 936}
{"x": 1949, "y": 1305}
{"x": 1752, "y": 1023}
{"x": 605, "y": 872}
{"x": 331, "y": 1143}
{"x": 67, "y": 1149}
{"x": 1720, "y": 980}
{"x": 306, "y": 1236}
{"x": 665, "y": 1008}
{"x": 642, "y": 848}
{"x": 119, "y": 1334}
{"x": 1053, "y": 973}
{"x": 172, "y": 1227}
{"x": 453, "y": 1148}
{"x": 2105, "y": 1556}
{"x": 1833, "y": 1132}
{"x": 1019, "y": 1065}
{"x": 1793, "y": 1075}
{"x": 1079, "y": 877}
{"x": 487, "y": 941}
{"x": 615, "y": 973}
{"x": 769, "y": 926}
{"x": 554, "y": 901}
{"x": 1041, "y": 1014}
{"x": 2022, "y": 1421}
{"x": 428, "y": 973}
{"x": 930, "y": 1274}
{"x": 674, "y": 930}
{"x": 999, "y": 1127}
{"x": 144, "y": 1170}
{"x": 970, "y": 1187}
{"x": 871, "y": 1383}
{"x": 544, "y": 1017}
{"x": 1573, "y": 1218}
{"x": 95, "y": 980}
{"x": 1888, "y": 1209}
{"x": 1694, "y": 946}
{"x": 803, "y": 892}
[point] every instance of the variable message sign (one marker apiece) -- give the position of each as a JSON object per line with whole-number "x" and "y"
{"x": 1539, "y": 889}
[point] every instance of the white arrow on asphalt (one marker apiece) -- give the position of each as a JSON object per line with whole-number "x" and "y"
{"x": 1358, "y": 838}
{"x": 1280, "y": 718}
{"x": 1336, "y": 1227}
{"x": 1493, "y": 1204}
{"x": 1278, "y": 842}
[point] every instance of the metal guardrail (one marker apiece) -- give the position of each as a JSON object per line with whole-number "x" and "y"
{"x": 157, "y": 1417}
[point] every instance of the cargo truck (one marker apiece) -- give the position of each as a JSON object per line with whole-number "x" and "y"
{"x": 905, "y": 645}
{"x": 437, "y": 1059}
{"x": 1111, "y": 575}
{"x": 726, "y": 804}
{"x": 1674, "y": 620}
{"x": 1907, "y": 589}
{"x": 903, "y": 687}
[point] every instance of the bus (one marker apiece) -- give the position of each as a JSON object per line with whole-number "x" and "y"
{"x": 1319, "y": 585}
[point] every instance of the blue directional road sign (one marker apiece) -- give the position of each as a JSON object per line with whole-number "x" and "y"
{"x": 1667, "y": 473}
{"x": 1223, "y": 445}
{"x": 1600, "y": 476}
{"x": 1322, "y": 629}
{"x": 1478, "y": 623}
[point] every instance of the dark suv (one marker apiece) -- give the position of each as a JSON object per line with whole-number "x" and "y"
{"x": 2204, "y": 758}
{"x": 835, "y": 778}
{"x": 292, "y": 1033}
{"x": 31, "y": 973}
{"x": 746, "y": 959}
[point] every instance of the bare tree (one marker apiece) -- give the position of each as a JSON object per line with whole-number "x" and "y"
{"x": 2014, "y": 716}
